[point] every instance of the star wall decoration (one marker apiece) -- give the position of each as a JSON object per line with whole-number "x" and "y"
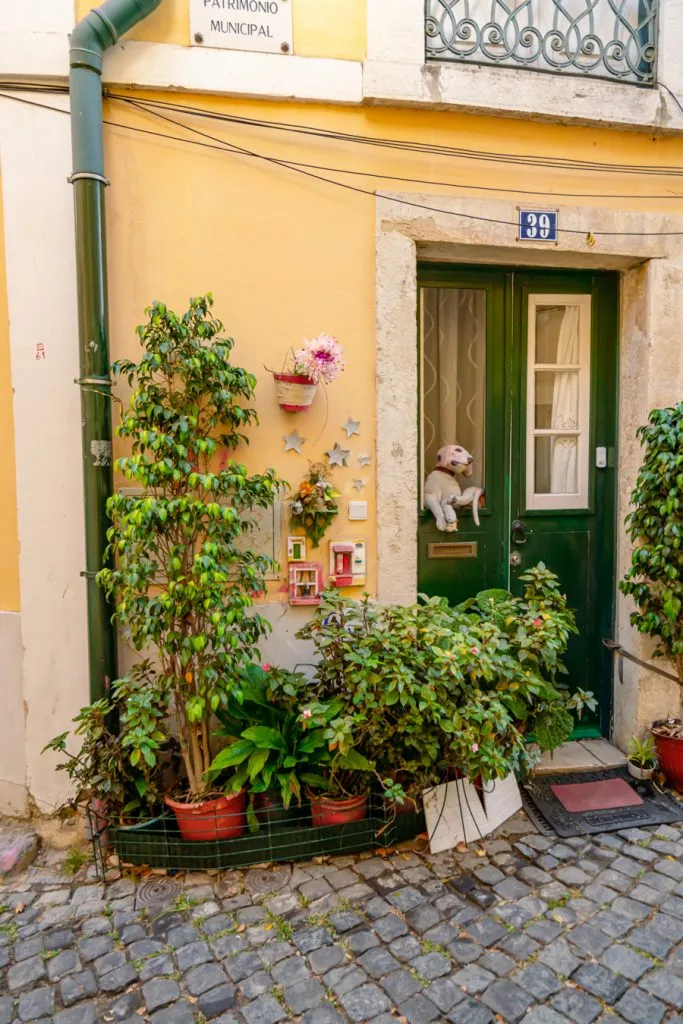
{"x": 359, "y": 484}
{"x": 364, "y": 459}
{"x": 351, "y": 427}
{"x": 293, "y": 442}
{"x": 338, "y": 456}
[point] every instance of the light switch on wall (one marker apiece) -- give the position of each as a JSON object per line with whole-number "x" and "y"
{"x": 358, "y": 510}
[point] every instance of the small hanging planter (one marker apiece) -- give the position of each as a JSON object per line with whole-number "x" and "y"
{"x": 295, "y": 391}
{"x": 319, "y": 361}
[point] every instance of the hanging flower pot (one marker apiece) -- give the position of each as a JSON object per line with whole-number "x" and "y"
{"x": 319, "y": 361}
{"x": 295, "y": 391}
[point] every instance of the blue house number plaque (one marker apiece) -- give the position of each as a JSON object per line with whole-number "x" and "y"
{"x": 538, "y": 225}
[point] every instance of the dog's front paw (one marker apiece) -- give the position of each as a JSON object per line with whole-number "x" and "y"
{"x": 452, "y": 527}
{"x": 441, "y": 524}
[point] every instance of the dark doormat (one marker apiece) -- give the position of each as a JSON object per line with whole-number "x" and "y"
{"x": 579, "y": 803}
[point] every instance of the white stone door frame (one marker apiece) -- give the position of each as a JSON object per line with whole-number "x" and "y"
{"x": 644, "y": 247}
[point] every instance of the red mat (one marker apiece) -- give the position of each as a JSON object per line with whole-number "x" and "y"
{"x": 576, "y": 797}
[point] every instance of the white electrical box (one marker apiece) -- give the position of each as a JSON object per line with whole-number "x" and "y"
{"x": 358, "y": 510}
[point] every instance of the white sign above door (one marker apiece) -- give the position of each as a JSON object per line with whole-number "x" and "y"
{"x": 263, "y": 25}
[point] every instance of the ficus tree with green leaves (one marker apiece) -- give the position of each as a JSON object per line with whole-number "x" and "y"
{"x": 655, "y": 525}
{"x": 183, "y": 578}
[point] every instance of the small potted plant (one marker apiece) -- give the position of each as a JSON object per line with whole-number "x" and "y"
{"x": 641, "y": 758}
{"x": 183, "y": 581}
{"x": 279, "y": 742}
{"x": 112, "y": 781}
{"x": 318, "y": 361}
{"x": 655, "y": 579}
{"x": 314, "y": 505}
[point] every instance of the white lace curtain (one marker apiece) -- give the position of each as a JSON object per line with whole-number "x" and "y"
{"x": 453, "y": 373}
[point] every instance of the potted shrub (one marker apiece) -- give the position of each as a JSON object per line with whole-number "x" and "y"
{"x": 319, "y": 361}
{"x": 655, "y": 579}
{"x": 183, "y": 580}
{"x": 641, "y": 757}
{"x": 117, "y": 787}
{"x": 437, "y": 693}
{"x": 282, "y": 744}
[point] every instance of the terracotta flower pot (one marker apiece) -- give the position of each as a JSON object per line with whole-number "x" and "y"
{"x": 221, "y": 818}
{"x": 326, "y": 810}
{"x": 295, "y": 392}
{"x": 670, "y": 754}
{"x": 269, "y": 808}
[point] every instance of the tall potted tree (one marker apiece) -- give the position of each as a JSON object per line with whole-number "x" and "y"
{"x": 655, "y": 578}
{"x": 184, "y": 579}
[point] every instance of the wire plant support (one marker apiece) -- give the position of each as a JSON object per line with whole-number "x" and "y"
{"x": 613, "y": 39}
{"x": 270, "y": 834}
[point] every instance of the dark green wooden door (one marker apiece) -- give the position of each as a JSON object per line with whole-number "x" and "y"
{"x": 520, "y": 370}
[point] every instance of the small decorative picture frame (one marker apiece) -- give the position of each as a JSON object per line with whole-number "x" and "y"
{"x": 296, "y": 549}
{"x": 305, "y": 583}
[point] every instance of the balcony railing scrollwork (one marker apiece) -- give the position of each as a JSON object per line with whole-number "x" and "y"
{"x": 614, "y": 39}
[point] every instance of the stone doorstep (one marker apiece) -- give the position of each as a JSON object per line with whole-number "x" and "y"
{"x": 580, "y": 754}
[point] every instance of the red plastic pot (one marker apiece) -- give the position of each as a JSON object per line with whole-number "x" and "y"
{"x": 295, "y": 392}
{"x": 327, "y": 811}
{"x": 221, "y": 818}
{"x": 670, "y": 754}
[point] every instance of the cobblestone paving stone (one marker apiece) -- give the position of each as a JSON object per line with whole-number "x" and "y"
{"x": 520, "y": 928}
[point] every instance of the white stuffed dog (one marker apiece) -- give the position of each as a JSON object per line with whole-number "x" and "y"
{"x": 443, "y": 493}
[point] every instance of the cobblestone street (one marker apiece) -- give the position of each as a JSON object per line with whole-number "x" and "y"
{"x": 527, "y": 928}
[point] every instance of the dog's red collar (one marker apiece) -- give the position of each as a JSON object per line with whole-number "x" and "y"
{"x": 444, "y": 469}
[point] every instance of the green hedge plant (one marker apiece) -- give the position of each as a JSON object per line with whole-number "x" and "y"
{"x": 184, "y": 577}
{"x": 433, "y": 690}
{"x": 655, "y": 525}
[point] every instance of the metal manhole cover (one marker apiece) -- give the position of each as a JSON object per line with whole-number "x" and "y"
{"x": 157, "y": 891}
{"x": 261, "y": 881}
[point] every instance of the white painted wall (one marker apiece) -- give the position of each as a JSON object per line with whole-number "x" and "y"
{"x": 13, "y": 793}
{"x": 41, "y": 285}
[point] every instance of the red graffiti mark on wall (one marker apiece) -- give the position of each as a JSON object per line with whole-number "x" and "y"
{"x": 40, "y": 351}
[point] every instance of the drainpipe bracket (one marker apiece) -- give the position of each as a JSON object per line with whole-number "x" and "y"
{"x": 100, "y": 382}
{"x": 93, "y": 175}
{"x": 89, "y": 574}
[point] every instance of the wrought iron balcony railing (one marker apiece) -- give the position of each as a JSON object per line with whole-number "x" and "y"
{"x": 615, "y": 39}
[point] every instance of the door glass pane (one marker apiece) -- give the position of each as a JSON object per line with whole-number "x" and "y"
{"x": 557, "y": 334}
{"x": 454, "y": 375}
{"x": 555, "y": 465}
{"x": 558, "y": 401}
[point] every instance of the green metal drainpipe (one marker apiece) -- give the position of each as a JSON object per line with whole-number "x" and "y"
{"x": 97, "y": 31}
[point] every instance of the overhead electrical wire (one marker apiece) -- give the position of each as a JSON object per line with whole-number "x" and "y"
{"x": 140, "y": 104}
{"x": 219, "y": 144}
{"x": 558, "y": 163}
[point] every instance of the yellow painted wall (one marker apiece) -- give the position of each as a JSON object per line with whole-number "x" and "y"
{"x": 9, "y": 538}
{"x": 322, "y": 28}
{"x": 287, "y": 256}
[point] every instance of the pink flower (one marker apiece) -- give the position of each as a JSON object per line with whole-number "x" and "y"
{"x": 475, "y": 650}
{"x": 307, "y": 713}
{"x": 321, "y": 359}
{"x": 475, "y": 748}
{"x": 537, "y": 622}
{"x": 266, "y": 667}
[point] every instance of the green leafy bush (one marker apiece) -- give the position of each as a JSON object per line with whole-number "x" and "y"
{"x": 183, "y": 579}
{"x": 432, "y": 689}
{"x": 655, "y": 525}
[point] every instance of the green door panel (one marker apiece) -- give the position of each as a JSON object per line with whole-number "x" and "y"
{"x": 576, "y": 543}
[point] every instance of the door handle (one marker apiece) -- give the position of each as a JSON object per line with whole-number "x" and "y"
{"x": 518, "y": 533}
